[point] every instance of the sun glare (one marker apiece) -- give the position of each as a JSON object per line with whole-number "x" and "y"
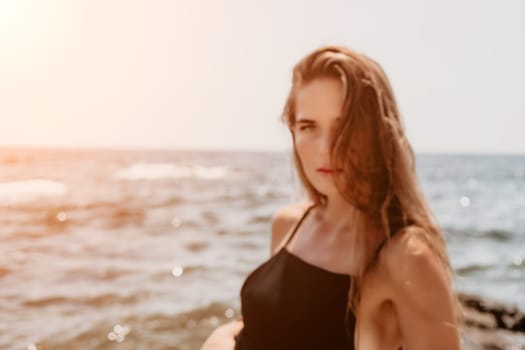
{"x": 10, "y": 12}
{"x": 22, "y": 21}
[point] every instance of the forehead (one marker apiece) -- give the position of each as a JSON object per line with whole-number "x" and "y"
{"x": 319, "y": 99}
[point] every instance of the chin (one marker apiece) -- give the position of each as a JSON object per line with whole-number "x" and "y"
{"x": 324, "y": 189}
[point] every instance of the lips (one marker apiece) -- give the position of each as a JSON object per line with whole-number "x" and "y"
{"x": 326, "y": 170}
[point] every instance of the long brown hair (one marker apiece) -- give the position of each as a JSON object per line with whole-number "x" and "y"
{"x": 379, "y": 174}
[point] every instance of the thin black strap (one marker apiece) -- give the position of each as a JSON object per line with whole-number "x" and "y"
{"x": 298, "y": 223}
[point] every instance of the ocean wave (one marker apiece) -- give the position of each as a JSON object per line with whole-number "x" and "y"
{"x": 495, "y": 234}
{"x": 25, "y": 191}
{"x": 472, "y": 268}
{"x": 156, "y": 171}
{"x": 95, "y": 300}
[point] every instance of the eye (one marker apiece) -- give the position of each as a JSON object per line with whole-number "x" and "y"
{"x": 305, "y": 127}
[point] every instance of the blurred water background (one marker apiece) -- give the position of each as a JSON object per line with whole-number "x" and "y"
{"x": 148, "y": 249}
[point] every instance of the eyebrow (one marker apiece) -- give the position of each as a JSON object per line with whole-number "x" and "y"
{"x": 306, "y": 120}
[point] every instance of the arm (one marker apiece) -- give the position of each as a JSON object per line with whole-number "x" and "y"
{"x": 222, "y": 338}
{"x": 422, "y": 297}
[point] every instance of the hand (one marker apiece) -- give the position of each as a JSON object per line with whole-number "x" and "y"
{"x": 222, "y": 337}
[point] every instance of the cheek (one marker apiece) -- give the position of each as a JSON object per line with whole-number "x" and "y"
{"x": 304, "y": 141}
{"x": 305, "y": 149}
{"x": 300, "y": 144}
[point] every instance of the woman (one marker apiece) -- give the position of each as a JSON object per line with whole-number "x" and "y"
{"x": 362, "y": 264}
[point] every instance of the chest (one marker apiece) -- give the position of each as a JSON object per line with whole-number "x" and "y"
{"x": 290, "y": 304}
{"x": 326, "y": 250}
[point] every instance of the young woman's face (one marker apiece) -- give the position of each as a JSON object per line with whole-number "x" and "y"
{"x": 318, "y": 111}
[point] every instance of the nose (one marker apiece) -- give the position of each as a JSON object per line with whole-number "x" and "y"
{"x": 326, "y": 142}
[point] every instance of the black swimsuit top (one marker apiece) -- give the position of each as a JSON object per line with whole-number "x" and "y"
{"x": 288, "y": 303}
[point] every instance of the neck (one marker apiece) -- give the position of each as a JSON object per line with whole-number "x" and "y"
{"x": 337, "y": 213}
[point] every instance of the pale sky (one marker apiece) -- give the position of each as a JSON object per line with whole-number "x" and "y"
{"x": 214, "y": 74}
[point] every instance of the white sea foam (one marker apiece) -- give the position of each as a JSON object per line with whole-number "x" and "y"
{"x": 24, "y": 191}
{"x": 155, "y": 171}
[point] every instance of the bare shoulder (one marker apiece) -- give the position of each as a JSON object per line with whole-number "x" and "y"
{"x": 409, "y": 249}
{"x": 414, "y": 269}
{"x": 283, "y": 220}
